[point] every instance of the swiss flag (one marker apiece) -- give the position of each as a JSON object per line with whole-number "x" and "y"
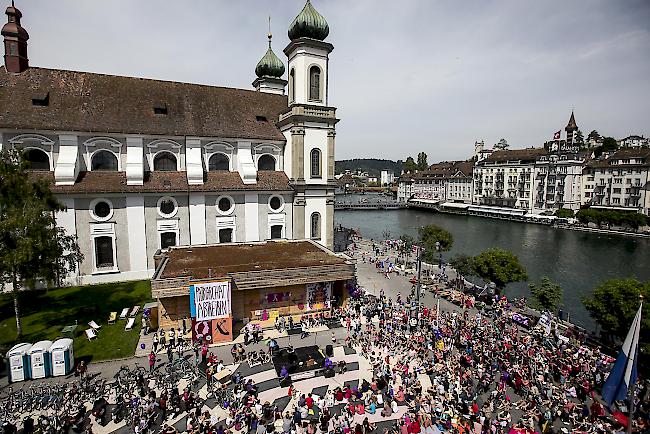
{"x": 556, "y": 136}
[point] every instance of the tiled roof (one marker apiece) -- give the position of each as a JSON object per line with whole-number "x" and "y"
{"x": 165, "y": 182}
{"x": 83, "y": 101}
{"x": 623, "y": 154}
{"x": 530, "y": 154}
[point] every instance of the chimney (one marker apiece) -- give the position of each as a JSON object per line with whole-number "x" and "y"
{"x": 15, "y": 41}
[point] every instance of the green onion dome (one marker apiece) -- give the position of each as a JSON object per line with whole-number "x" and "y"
{"x": 309, "y": 24}
{"x": 270, "y": 65}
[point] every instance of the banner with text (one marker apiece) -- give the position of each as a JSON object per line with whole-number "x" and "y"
{"x": 210, "y": 301}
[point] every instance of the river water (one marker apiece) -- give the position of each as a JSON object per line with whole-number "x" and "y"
{"x": 578, "y": 261}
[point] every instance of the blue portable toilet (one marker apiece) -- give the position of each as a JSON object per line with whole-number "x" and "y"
{"x": 62, "y": 352}
{"x": 40, "y": 361}
{"x": 19, "y": 369}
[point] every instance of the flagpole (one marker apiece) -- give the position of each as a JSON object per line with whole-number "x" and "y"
{"x": 630, "y": 391}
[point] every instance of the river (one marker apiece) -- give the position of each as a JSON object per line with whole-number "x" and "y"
{"x": 578, "y": 261}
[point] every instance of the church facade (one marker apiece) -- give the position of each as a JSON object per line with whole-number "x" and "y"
{"x": 142, "y": 165}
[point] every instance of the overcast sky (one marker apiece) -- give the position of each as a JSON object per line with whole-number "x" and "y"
{"x": 406, "y": 75}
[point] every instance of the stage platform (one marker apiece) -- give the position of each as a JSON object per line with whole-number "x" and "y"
{"x": 304, "y": 362}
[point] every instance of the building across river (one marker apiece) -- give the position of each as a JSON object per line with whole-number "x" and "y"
{"x": 224, "y": 284}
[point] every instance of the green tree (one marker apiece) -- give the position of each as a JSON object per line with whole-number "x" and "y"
{"x": 580, "y": 139}
{"x": 564, "y": 213}
{"x": 547, "y": 295}
{"x": 409, "y": 165}
{"x": 463, "y": 264}
{"x": 499, "y": 266}
{"x": 434, "y": 239}
{"x": 593, "y": 135}
{"x": 614, "y": 303}
{"x": 422, "y": 161}
{"x": 33, "y": 250}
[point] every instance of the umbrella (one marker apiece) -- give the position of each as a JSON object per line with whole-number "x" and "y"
{"x": 620, "y": 418}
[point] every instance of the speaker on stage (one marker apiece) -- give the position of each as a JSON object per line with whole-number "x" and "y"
{"x": 293, "y": 358}
{"x": 329, "y": 373}
{"x": 329, "y": 350}
{"x": 285, "y": 382}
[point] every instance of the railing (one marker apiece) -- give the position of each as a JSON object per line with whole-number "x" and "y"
{"x": 309, "y": 111}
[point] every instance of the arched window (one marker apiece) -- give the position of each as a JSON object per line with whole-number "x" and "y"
{"x": 292, "y": 85}
{"x": 315, "y": 163}
{"x": 165, "y": 161}
{"x": 315, "y": 225}
{"x": 37, "y": 159}
{"x": 104, "y": 160}
{"x": 314, "y": 83}
{"x": 266, "y": 162}
{"x": 218, "y": 161}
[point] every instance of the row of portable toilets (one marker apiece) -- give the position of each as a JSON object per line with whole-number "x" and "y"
{"x": 41, "y": 360}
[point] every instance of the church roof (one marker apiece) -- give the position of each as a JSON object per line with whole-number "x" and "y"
{"x": 99, "y": 103}
{"x": 165, "y": 182}
{"x": 572, "y": 122}
{"x": 309, "y": 24}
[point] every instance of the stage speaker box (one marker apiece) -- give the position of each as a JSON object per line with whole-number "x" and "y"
{"x": 329, "y": 373}
{"x": 329, "y": 350}
{"x": 285, "y": 382}
{"x": 293, "y": 358}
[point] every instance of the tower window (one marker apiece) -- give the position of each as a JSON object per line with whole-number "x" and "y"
{"x": 314, "y": 83}
{"x": 218, "y": 161}
{"x": 292, "y": 85}
{"x": 315, "y": 163}
{"x": 165, "y": 161}
{"x": 104, "y": 160}
{"x": 13, "y": 49}
{"x": 266, "y": 162}
{"x": 315, "y": 225}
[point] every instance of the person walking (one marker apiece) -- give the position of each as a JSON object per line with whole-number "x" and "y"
{"x": 152, "y": 361}
{"x": 172, "y": 337}
{"x": 155, "y": 342}
{"x": 204, "y": 353}
{"x": 170, "y": 353}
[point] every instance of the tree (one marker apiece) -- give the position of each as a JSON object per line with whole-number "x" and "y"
{"x": 499, "y": 266}
{"x": 409, "y": 165}
{"x": 502, "y": 145}
{"x": 422, "y": 161}
{"x": 33, "y": 250}
{"x": 564, "y": 213}
{"x": 614, "y": 303}
{"x": 434, "y": 240}
{"x": 463, "y": 264}
{"x": 580, "y": 139}
{"x": 593, "y": 136}
{"x": 547, "y": 295}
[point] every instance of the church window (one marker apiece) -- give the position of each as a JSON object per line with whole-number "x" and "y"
{"x": 104, "y": 160}
{"x": 266, "y": 162}
{"x": 276, "y": 232}
{"x": 167, "y": 239}
{"x": 315, "y": 163}
{"x": 104, "y": 252}
{"x": 37, "y": 159}
{"x": 315, "y": 225}
{"x": 167, "y": 207}
{"x": 292, "y": 85}
{"x": 165, "y": 161}
{"x": 314, "y": 83}
{"x": 218, "y": 161}
{"x": 13, "y": 49}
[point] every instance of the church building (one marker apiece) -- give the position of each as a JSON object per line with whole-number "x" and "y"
{"x": 142, "y": 165}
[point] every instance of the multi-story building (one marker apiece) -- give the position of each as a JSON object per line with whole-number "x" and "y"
{"x": 405, "y": 187}
{"x": 558, "y": 181}
{"x": 633, "y": 141}
{"x": 142, "y": 165}
{"x": 460, "y": 182}
{"x": 620, "y": 181}
{"x": 505, "y": 178}
{"x": 387, "y": 177}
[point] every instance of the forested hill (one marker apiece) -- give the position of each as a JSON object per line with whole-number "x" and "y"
{"x": 371, "y": 165}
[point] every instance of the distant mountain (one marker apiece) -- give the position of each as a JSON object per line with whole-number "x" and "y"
{"x": 371, "y": 165}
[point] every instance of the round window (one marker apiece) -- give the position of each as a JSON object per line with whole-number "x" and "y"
{"x": 276, "y": 203}
{"x": 225, "y": 205}
{"x": 167, "y": 206}
{"x": 102, "y": 209}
